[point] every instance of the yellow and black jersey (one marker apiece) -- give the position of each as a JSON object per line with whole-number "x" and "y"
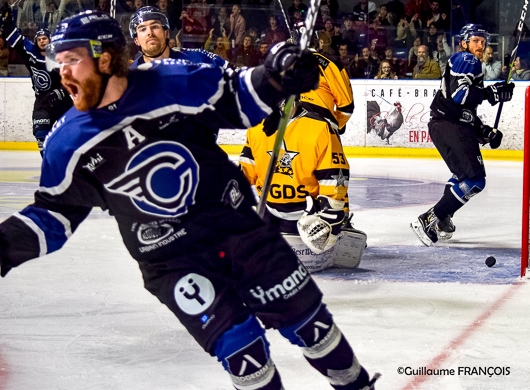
{"x": 334, "y": 98}
{"x": 311, "y": 162}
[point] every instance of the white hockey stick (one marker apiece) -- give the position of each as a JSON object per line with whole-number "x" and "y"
{"x": 305, "y": 38}
{"x": 520, "y": 25}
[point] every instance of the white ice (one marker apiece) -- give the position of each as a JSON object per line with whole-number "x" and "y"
{"x": 80, "y": 319}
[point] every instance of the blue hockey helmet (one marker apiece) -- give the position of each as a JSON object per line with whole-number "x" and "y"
{"x": 143, "y": 15}
{"x": 40, "y": 32}
{"x": 474, "y": 30}
{"x": 90, "y": 29}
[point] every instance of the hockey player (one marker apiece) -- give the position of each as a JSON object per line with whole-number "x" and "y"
{"x": 149, "y": 28}
{"x": 140, "y": 144}
{"x": 51, "y": 99}
{"x": 456, "y": 131}
{"x": 310, "y": 184}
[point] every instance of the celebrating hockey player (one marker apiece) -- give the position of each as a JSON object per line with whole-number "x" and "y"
{"x": 51, "y": 99}
{"x": 149, "y": 27}
{"x": 310, "y": 182}
{"x": 456, "y": 131}
{"x": 141, "y": 145}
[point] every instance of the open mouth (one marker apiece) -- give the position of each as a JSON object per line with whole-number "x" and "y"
{"x": 73, "y": 90}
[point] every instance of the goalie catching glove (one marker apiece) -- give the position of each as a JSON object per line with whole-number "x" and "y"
{"x": 320, "y": 225}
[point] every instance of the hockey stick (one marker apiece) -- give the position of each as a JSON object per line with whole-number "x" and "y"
{"x": 513, "y": 57}
{"x": 286, "y": 20}
{"x": 305, "y": 38}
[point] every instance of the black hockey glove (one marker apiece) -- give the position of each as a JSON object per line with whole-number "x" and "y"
{"x": 55, "y": 96}
{"x": 499, "y": 92}
{"x": 491, "y": 135}
{"x": 290, "y": 71}
{"x": 270, "y": 124}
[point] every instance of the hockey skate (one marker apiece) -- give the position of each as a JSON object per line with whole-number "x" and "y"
{"x": 371, "y": 383}
{"x": 445, "y": 228}
{"x": 425, "y": 228}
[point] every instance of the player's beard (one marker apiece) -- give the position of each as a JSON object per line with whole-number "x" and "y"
{"x": 154, "y": 48}
{"x": 87, "y": 93}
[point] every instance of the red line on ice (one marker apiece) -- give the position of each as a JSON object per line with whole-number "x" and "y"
{"x": 461, "y": 339}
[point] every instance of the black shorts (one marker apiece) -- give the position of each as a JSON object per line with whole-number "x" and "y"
{"x": 459, "y": 147}
{"x": 249, "y": 268}
{"x": 45, "y": 115}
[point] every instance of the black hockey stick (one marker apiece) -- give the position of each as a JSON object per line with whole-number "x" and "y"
{"x": 513, "y": 56}
{"x": 305, "y": 38}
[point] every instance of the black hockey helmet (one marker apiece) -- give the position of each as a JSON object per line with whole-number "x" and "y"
{"x": 143, "y": 15}
{"x": 90, "y": 29}
{"x": 40, "y": 32}
{"x": 474, "y": 30}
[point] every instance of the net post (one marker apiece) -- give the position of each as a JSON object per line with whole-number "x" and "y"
{"x": 526, "y": 188}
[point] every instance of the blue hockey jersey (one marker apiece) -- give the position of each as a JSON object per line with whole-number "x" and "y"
{"x": 461, "y": 90}
{"x": 150, "y": 159}
{"x": 192, "y": 55}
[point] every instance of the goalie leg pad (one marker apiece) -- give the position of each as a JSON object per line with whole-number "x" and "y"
{"x": 349, "y": 248}
{"x": 244, "y": 352}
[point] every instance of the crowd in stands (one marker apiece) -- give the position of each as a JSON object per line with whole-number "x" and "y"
{"x": 412, "y": 37}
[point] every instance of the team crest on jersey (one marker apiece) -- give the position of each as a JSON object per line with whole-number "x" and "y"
{"x": 284, "y": 165}
{"x": 41, "y": 79}
{"x": 161, "y": 179}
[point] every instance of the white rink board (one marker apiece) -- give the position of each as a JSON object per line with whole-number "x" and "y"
{"x": 414, "y": 97}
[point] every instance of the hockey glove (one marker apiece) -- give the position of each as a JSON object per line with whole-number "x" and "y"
{"x": 491, "y": 135}
{"x": 270, "y": 124}
{"x": 290, "y": 71}
{"x": 320, "y": 225}
{"x": 499, "y": 92}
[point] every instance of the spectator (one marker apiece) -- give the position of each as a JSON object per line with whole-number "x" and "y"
{"x": 332, "y": 6}
{"x": 50, "y": 14}
{"x": 378, "y": 37}
{"x": 396, "y": 8}
{"x": 253, "y": 33}
{"x": 385, "y": 72}
{"x": 4, "y": 56}
{"x": 365, "y": 11}
{"x": 385, "y": 18}
{"x": 238, "y": 26}
{"x": 221, "y": 46}
{"x": 245, "y": 54}
{"x": 103, "y": 6}
{"x": 73, "y": 7}
{"x": 366, "y": 66}
{"x": 345, "y": 59}
{"x": 413, "y": 53}
{"x": 172, "y": 43}
{"x": 491, "y": 67}
{"x": 429, "y": 39}
{"x": 349, "y": 35}
{"x": 170, "y": 10}
{"x": 263, "y": 51}
{"x": 397, "y": 65}
{"x": 405, "y": 34}
{"x": 419, "y": 9}
{"x": 297, "y": 5}
{"x": 220, "y": 21}
{"x": 442, "y": 52}
{"x": 426, "y": 68}
{"x": 439, "y": 19}
{"x": 330, "y": 38}
{"x": 193, "y": 33}
{"x": 274, "y": 33}
{"x": 521, "y": 69}
{"x": 198, "y": 10}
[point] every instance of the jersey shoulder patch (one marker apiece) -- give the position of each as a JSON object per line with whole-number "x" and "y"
{"x": 465, "y": 63}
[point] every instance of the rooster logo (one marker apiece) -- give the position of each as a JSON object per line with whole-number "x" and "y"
{"x": 161, "y": 179}
{"x": 384, "y": 127}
